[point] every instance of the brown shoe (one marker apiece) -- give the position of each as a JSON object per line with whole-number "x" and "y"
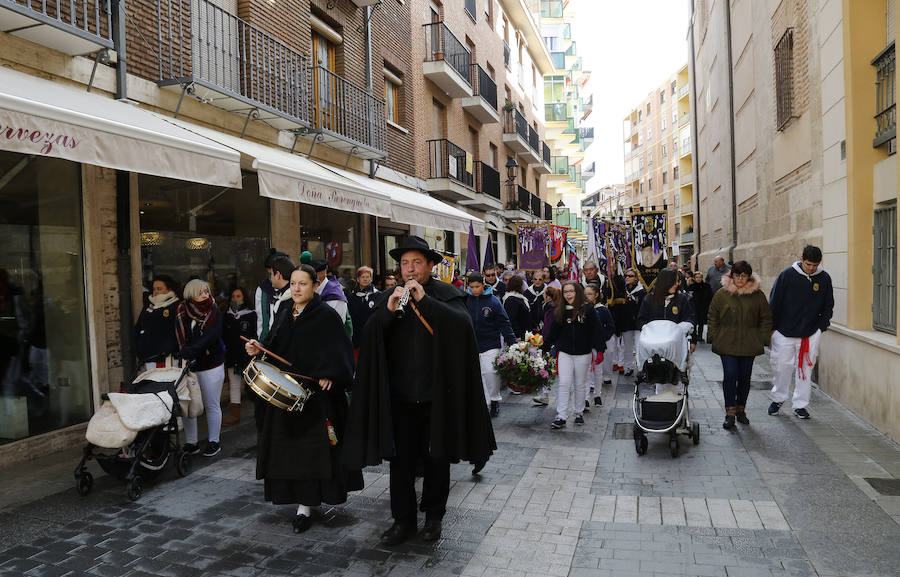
{"x": 234, "y": 415}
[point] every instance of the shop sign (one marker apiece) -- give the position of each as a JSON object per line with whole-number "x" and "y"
{"x": 274, "y": 185}
{"x": 43, "y": 142}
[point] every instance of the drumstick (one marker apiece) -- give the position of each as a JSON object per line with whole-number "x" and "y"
{"x": 267, "y": 351}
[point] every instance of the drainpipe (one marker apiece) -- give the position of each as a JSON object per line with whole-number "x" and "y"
{"x": 367, "y": 16}
{"x": 119, "y": 45}
{"x": 692, "y": 72}
{"x": 734, "y": 235}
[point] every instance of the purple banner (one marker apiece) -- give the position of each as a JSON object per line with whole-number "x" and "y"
{"x": 533, "y": 241}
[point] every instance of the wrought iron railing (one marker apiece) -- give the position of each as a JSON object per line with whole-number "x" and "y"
{"x": 535, "y": 205}
{"x": 341, "y": 107}
{"x": 88, "y": 19}
{"x": 515, "y": 123}
{"x": 199, "y": 42}
{"x": 545, "y": 153}
{"x": 524, "y": 198}
{"x": 487, "y": 180}
{"x": 885, "y": 101}
{"x": 447, "y": 160}
{"x": 534, "y": 140}
{"x": 441, "y": 44}
{"x": 484, "y": 86}
{"x": 548, "y": 211}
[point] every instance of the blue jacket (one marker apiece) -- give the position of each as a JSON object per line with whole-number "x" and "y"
{"x": 607, "y": 325}
{"x": 489, "y": 320}
{"x": 801, "y": 304}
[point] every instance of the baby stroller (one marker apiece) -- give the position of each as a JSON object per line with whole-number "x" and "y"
{"x": 140, "y": 425}
{"x": 663, "y": 360}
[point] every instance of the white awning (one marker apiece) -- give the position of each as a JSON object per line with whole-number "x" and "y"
{"x": 47, "y": 118}
{"x": 416, "y": 208}
{"x": 286, "y": 176}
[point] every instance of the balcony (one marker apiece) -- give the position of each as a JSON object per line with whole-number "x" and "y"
{"x": 72, "y": 26}
{"x": 588, "y": 171}
{"x": 515, "y": 131}
{"x": 449, "y": 177}
{"x": 686, "y": 179}
{"x": 483, "y": 103}
{"x": 532, "y": 155}
{"x": 544, "y": 166}
{"x": 687, "y": 238}
{"x": 536, "y": 206}
{"x": 346, "y": 117}
{"x": 683, "y": 91}
{"x": 559, "y": 167}
{"x": 518, "y": 207}
{"x": 486, "y": 196}
{"x": 685, "y": 148}
{"x": 885, "y": 102}
{"x": 684, "y": 119}
{"x": 555, "y": 112}
{"x": 447, "y": 62}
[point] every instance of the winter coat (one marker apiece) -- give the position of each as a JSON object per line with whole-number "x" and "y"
{"x": 516, "y": 306}
{"x": 205, "y": 346}
{"x": 740, "y": 322}
{"x": 702, "y": 294}
{"x": 154, "y": 333}
{"x": 607, "y": 323}
{"x": 490, "y": 321}
{"x": 241, "y": 323}
{"x": 578, "y": 333}
{"x": 801, "y": 304}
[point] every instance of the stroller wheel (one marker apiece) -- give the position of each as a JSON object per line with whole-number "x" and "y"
{"x": 695, "y": 432}
{"x": 637, "y": 432}
{"x": 83, "y": 483}
{"x": 135, "y": 488}
{"x": 673, "y": 447}
{"x": 640, "y": 445}
{"x": 184, "y": 464}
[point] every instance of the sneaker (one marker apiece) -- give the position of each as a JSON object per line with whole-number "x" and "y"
{"x": 629, "y": 372}
{"x": 615, "y": 368}
{"x": 598, "y": 402}
{"x": 543, "y": 399}
{"x": 801, "y": 413}
{"x": 587, "y": 407}
{"x": 212, "y": 449}
{"x": 621, "y": 370}
{"x": 774, "y": 408}
{"x": 607, "y": 382}
{"x": 515, "y": 392}
{"x": 191, "y": 448}
{"x": 729, "y": 422}
{"x": 495, "y": 409}
{"x": 742, "y": 418}
{"x": 579, "y": 420}
{"x": 558, "y": 424}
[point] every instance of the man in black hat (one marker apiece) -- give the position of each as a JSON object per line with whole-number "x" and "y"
{"x": 418, "y": 392}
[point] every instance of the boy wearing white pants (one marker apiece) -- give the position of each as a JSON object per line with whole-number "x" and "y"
{"x": 490, "y": 322}
{"x": 802, "y": 303}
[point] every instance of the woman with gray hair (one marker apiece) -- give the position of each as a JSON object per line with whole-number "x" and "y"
{"x": 198, "y": 329}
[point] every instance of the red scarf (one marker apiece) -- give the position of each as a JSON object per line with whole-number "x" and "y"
{"x": 203, "y": 312}
{"x": 804, "y": 352}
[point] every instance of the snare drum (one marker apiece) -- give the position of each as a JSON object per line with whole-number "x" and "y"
{"x": 276, "y": 387}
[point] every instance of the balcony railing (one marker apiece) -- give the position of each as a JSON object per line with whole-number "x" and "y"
{"x": 548, "y": 211}
{"x": 210, "y": 47}
{"x": 515, "y": 122}
{"x": 536, "y": 205}
{"x": 559, "y": 164}
{"x": 347, "y": 110}
{"x": 506, "y": 54}
{"x": 487, "y": 180}
{"x": 447, "y": 160}
{"x": 555, "y": 112}
{"x": 441, "y": 44}
{"x": 687, "y": 237}
{"x": 545, "y": 153}
{"x": 559, "y": 60}
{"x": 684, "y": 118}
{"x": 534, "y": 140}
{"x": 484, "y": 85}
{"x": 524, "y": 198}
{"x": 685, "y": 146}
{"x": 683, "y": 90}
{"x": 885, "y": 102}
{"x": 90, "y": 20}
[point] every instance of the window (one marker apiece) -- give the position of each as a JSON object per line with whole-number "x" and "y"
{"x": 489, "y": 11}
{"x": 650, "y": 159}
{"x": 649, "y": 134}
{"x": 471, "y": 10}
{"x": 641, "y": 163}
{"x": 640, "y": 112}
{"x": 648, "y": 109}
{"x": 665, "y": 177}
{"x": 675, "y": 173}
{"x": 392, "y": 84}
{"x": 650, "y": 184}
{"x": 641, "y": 187}
{"x": 674, "y": 87}
{"x": 664, "y": 155}
{"x": 674, "y": 118}
{"x": 493, "y": 157}
{"x": 662, "y": 97}
{"x": 784, "y": 77}
{"x": 554, "y": 89}
{"x": 884, "y": 299}
{"x": 663, "y": 124}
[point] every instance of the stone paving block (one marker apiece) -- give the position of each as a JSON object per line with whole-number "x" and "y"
{"x": 720, "y": 513}
{"x": 672, "y": 509}
{"x": 745, "y": 514}
{"x": 770, "y": 515}
{"x": 649, "y": 511}
{"x": 626, "y": 509}
{"x": 697, "y": 513}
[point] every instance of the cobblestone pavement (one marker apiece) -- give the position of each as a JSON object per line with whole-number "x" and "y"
{"x": 780, "y": 497}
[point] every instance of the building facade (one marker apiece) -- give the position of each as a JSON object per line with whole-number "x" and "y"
{"x": 658, "y": 152}
{"x": 802, "y": 151}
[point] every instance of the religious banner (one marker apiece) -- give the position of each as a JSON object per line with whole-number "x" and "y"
{"x": 558, "y": 236}
{"x": 444, "y": 269}
{"x": 618, "y": 242}
{"x": 532, "y": 241}
{"x": 574, "y": 268}
{"x": 597, "y": 249}
{"x": 649, "y": 231}
{"x": 334, "y": 254}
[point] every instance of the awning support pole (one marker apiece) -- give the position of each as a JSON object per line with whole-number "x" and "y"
{"x": 353, "y": 151}
{"x": 254, "y": 114}
{"x": 319, "y": 136}
{"x": 184, "y": 88}
{"x": 296, "y": 138}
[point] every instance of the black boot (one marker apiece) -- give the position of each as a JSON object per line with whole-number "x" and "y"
{"x": 432, "y": 529}
{"x": 495, "y": 408}
{"x": 398, "y": 533}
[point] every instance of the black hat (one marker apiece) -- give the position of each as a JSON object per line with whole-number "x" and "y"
{"x": 318, "y": 264}
{"x": 418, "y": 244}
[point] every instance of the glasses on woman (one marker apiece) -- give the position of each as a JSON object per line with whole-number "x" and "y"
{"x": 629, "y": 275}
{"x": 741, "y": 275}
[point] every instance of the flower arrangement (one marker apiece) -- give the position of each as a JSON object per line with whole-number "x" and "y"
{"x": 525, "y": 366}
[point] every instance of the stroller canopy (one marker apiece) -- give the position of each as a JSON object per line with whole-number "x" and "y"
{"x": 666, "y": 339}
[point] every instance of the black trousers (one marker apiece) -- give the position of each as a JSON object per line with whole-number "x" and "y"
{"x": 412, "y": 433}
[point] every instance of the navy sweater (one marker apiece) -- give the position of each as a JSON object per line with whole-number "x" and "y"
{"x": 801, "y": 304}
{"x": 577, "y": 334}
{"x": 490, "y": 321}
{"x": 607, "y": 325}
{"x": 205, "y": 347}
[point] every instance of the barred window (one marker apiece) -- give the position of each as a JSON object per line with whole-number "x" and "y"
{"x": 784, "y": 77}
{"x": 884, "y": 299}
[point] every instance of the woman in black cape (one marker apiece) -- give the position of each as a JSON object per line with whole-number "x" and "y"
{"x": 299, "y": 453}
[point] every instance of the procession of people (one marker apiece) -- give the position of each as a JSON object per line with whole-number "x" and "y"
{"x": 403, "y": 367}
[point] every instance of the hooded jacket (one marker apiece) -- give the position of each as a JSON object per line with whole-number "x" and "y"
{"x": 519, "y": 312}
{"x": 801, "y": 304}
{"x": 489, "y": 320}
{"x": 740, "y": 322}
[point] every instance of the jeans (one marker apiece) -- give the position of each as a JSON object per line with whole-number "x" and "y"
{"x": 211, "y": 382}
{"x": 736, "y": 379}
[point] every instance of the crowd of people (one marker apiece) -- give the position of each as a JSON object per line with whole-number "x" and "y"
{"x": 403, "y": 364}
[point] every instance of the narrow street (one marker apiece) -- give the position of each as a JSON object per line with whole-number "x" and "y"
{"x": 780, "y": 497}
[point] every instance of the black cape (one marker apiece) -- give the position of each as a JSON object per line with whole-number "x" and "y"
{"x": 295, "y": 455}
{"x": 460, "y": 424}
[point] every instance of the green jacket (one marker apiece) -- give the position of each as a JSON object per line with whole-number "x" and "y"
{"x": 740, "y": 320}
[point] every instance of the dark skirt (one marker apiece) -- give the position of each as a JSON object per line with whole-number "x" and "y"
{"x": 332, "y": 491}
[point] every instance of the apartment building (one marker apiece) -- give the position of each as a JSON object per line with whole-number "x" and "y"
{"x": 658, "y": 152}
{"x": 803, "y": 151}
{"x": 478, "y": 69}
{"x": 567, "y": 105}
{"x": 608, "y": 202}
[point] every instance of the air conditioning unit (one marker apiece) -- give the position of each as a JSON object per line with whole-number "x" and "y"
{"x": 364, "y": 3}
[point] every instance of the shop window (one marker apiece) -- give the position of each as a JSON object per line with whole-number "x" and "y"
{"x": 332, "y": 235}
{"x": 191, "y": 230}
{"x": 44, "y": 373}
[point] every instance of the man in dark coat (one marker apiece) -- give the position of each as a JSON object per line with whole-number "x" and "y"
{"x": 418, "y": 393}
{"x": 702, "y": 295}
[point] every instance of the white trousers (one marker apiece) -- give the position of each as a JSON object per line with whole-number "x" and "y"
{"x": 610, "y": 357}
{"x": 211, "y": 389}
{"x": 572, "y": 375}
{"x": 490, "y": 380}
{"x": 624, "y": 350}
{"x": 235, "y": 380}
{"x": 784, "y": 356}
